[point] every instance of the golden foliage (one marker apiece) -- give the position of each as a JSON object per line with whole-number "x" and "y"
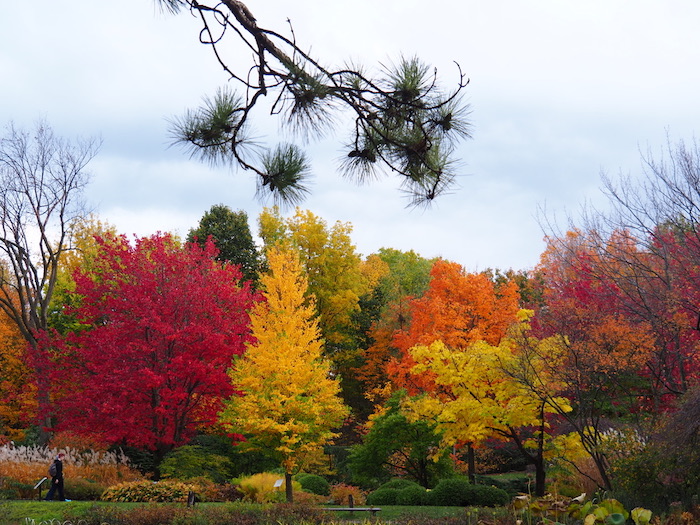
{"x": 261, "y": 488}
{"x": 289, "y": 403}
{"x": 341, "y": 492}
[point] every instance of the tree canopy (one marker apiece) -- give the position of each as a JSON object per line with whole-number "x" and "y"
{"x": 161, "y": 325}
{"x": 231, "y": 234}
{"x": 288, "y": 404}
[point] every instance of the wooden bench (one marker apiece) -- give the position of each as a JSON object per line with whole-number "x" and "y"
{"x": 372, "y": 510}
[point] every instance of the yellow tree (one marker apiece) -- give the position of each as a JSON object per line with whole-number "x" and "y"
{"x": 477, "y": 396}
{"x": 331, "y": 264}
{"x": 288, "y": 404}
{"x": 338, "y": 279}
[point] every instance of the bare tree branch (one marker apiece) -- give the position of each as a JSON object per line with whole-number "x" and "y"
{"x": 42, "y": 178}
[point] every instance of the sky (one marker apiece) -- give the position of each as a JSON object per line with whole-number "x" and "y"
{"x": 560, "y": 92}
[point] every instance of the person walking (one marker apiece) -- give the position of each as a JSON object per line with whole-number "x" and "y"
{"x": 56, "y": 472}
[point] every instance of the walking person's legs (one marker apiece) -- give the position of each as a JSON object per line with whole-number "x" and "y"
{"x": 49, "y": 494}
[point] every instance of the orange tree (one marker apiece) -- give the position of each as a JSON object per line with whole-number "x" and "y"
{"x": 18, "y": 396}
{"x": 386, "y": 309}
{"x": 457, "y": 309}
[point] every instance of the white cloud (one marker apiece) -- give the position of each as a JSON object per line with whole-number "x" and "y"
{"x": 559, "y": 91}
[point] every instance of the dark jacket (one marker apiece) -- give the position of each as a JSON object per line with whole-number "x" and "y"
{"x": 59, "y": 468}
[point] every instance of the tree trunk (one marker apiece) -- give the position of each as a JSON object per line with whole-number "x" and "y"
{"x": 289, "y": 490}
{"x": 540, "y": 476}
{"x": 471, "y": 463}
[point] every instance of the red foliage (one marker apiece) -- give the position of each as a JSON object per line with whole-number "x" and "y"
{"x": 609, "y": 310}
{"x": 162, "y": 326}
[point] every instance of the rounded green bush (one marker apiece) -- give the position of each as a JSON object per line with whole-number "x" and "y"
{"x": 451, "y": 492}
{"x": 383, "y": 497}
{"x": 487, "y": 496}
{"x": 412, "y": 496}
{"x": 314, "y": 484}
{"x": 194, "y": 461}
{"x": 399, "y": 484}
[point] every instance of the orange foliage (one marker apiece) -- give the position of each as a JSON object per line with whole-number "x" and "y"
{"x": 458, "y": 309}
{"x": 18, "y": 394}
{"x": 373, "y": 372}
{"x": 340, "y": 494}
{"x": 586, "y": 304}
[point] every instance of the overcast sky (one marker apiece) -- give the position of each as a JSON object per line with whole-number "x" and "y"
{"x": 560, "y": 90}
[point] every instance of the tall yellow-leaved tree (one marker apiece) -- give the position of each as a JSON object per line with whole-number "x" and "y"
{"x": 289, "y": 404}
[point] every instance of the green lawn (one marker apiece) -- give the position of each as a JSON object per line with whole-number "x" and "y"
{"x": 393, "y": 512}
{"x": 16, "y": 512}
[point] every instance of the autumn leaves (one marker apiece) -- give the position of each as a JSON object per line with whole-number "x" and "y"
{"x": 289, "y": 404}
{"x": 153, "y": 340}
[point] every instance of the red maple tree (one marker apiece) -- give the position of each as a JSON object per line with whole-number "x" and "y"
{"x": 162, "y": 325}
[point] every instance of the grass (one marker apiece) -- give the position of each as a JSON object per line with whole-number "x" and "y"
{"x": 393, "y": 513}
{"x": 15, "y": 512}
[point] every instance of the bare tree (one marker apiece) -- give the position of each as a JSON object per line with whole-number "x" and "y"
{"x": 647, "y": 251}
{"x": 401, "y": 122}
{"x": 42, "y": 178}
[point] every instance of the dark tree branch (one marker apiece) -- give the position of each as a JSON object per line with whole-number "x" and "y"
{"x": 403, "y": 123}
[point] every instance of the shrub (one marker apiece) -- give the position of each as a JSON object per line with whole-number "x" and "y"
{"x": 226, "y": 492}
{"x": 341, "y": 492}
{"x": 83, "y": 490}
{"x": 309, "y": 498}
{"x": 487, "y": 496}
{"x": 13, "y": 489}
{"x": 383, "y": 497}
{"x": 148, "y": 491}
{"x": 399, "y": 484}
{"x": 143, "y": 515}
{"x": 413, "y": 495}
{"x": 260, "y": 488}
{"x": 315, "y": 484}
{"x": 192, "y": 461}
{"x": 451, "y": 492}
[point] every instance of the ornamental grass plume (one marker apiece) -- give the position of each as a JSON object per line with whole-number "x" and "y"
{"x": 28, "y": 464}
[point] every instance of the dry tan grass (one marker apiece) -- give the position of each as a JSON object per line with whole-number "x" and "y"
{"x": 30, "y": 464}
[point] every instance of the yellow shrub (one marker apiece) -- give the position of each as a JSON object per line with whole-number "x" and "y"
{"x": 261, "y": 487}
{"x": 149, "y": 491}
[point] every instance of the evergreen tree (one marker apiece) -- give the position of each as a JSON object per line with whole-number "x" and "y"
{"x": 231, "y": 235}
